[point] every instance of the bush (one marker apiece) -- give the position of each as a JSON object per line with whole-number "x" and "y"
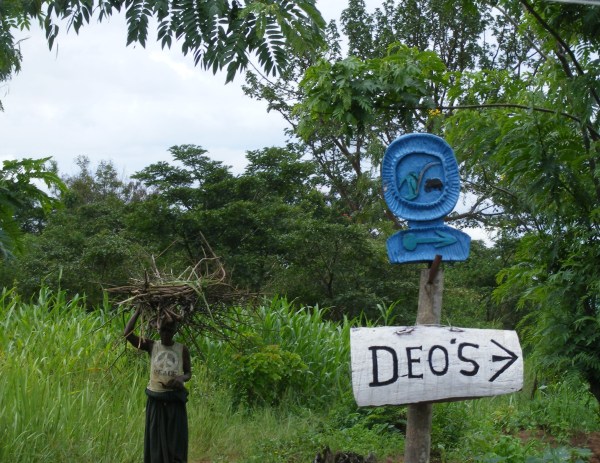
{"x": 264, "y": 375}
{"x": 280, "y": 351}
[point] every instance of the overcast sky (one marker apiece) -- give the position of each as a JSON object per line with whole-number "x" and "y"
{"x": 91, "y": 95}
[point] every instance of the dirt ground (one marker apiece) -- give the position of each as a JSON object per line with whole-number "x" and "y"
{"x": 590, "y": 441}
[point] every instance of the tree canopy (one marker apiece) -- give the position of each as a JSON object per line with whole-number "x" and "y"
{"x": 529, "y": 145}
{"x": 514, "y": 86}
{"x": 219, "y": 34}
{"x": 23, "y": 200}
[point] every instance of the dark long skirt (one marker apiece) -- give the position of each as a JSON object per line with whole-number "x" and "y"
{"x": 166, "y": 435}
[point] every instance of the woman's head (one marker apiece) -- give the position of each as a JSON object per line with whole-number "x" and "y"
{"x": 167, "y": 330}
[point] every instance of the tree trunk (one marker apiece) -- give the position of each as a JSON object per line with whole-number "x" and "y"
{"x": 594, "y": 383}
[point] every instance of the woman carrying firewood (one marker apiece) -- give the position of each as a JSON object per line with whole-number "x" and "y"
{"x": 166, "y": 433}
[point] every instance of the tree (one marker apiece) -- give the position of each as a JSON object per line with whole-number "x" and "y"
{"x": 10, "y": 55}
{"x": 180, "y": 194}
{"x": 241, "y": 217}
{"x": 274, "y": 227}
{"x": 84, "y": 245}
{"x": 523, "y": 118}
{"x": 529, "y": 144}
{"x": 219, "y": 34}
{"x": 469, "y": 288}
{"x": 401, "y": 59}
{"x": 23, "y": 203}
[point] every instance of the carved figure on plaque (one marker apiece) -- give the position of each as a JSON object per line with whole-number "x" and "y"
{"x": 421, "y": 185}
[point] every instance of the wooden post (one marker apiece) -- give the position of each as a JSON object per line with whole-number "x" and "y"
{"x": 418, "y": 428}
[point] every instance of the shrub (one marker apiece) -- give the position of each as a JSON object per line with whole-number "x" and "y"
{"x": 281, "y": 351}
{"x": 264, "y": 375}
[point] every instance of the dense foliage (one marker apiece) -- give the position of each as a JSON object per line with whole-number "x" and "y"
{"x": 518, "y": 98}
{"x": 531, "y": 151}
{"x": 24, "y": 200}
{"x": 514, "y": 87}
{"x": 70, "y": 390}
{"x": 275, "y": 229}
{"x": 219, "y": 34}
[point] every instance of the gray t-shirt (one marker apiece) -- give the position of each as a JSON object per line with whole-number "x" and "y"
{"x": 166, "y": 362}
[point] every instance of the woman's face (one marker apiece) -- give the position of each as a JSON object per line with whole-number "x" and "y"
{"x": 167, "y": 332}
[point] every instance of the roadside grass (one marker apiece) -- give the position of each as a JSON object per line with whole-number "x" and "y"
{"x": 71, "y": 391}
{"x": 531, "y": 426}
{"x": 59, "y": 401}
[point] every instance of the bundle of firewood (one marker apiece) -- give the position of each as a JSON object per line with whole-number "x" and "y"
{"x": 197, "y": 299}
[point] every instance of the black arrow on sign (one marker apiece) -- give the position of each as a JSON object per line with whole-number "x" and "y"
{"x": 512, "y": 358}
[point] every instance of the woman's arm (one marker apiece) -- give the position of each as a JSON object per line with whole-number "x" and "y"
{"x": 178, "y": 381}
{"x": 187, "y": 365}
{"x": 135, "y": 340}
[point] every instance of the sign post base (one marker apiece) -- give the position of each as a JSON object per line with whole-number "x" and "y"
{"x": 417, "y": 447}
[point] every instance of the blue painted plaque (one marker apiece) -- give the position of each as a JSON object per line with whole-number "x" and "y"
{"x": 421, "y": 184}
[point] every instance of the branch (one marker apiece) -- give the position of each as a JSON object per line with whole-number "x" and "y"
{"x": 348, "y": 155}
{"x": 476, "y": 211}
{"x": 592, "y": 131}
{"x": 564, "y": 45}
{"x": 516, "y": 25}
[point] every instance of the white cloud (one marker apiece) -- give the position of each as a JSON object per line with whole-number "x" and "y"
{"x": 91, "y": 95}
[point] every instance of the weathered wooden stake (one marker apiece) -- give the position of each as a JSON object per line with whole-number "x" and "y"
{"x": 418, "y": 428}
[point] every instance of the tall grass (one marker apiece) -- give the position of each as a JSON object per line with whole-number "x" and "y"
{"x": 59, "y": 400}
{"x": 322, "y": 346}
{"x": 71, "y": 391}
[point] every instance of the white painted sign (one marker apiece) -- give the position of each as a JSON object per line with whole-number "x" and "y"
{"x": 411, "y": 364}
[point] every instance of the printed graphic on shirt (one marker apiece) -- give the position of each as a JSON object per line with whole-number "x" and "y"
{"x": 166, "y": 364}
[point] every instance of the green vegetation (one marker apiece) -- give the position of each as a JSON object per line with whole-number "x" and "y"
{"x": 70, "y": 390}
{"x": 218, "y": 34}
{"x": 19, "y": 194}
{"x": 513, "y": 86}
{"x": 59, "y": 399}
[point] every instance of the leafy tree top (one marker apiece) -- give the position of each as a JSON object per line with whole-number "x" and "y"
{"x": 218, "y": 33}
{"x": 22, "y": 193}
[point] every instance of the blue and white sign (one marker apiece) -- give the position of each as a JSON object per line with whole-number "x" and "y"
{"x": 421, "y": 184}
